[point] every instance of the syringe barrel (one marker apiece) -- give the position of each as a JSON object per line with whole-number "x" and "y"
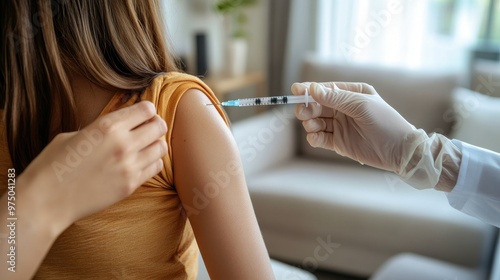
{"x": 294, "y": 99}
{"x": 275, "y": 100}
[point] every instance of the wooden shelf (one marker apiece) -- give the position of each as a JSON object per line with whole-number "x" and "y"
{"x": 223, "y": 85}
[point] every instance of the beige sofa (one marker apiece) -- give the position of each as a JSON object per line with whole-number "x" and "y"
{"x": 318, "y": 210}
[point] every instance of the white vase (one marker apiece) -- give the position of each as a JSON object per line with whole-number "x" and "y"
{"x": 237, "y": 56}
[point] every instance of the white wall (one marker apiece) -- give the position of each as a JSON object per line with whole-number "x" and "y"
{"x": 301, "y": 38}
{"x": 184, "y": 18}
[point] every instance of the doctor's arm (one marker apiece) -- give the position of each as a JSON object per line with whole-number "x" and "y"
{"x": 477, "y": 191}
{"x": 209, "y": 178}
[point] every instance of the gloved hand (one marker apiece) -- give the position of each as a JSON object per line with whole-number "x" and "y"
{"x": 354, "y": 121}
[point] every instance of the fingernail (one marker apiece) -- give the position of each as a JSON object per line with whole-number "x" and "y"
{"x": 163, "y": 125}
{"x": 149, "y": 108}
{"x": 298, "y": 88}
{"x": 164, "y": 148}
{"x": 311, "y": 138}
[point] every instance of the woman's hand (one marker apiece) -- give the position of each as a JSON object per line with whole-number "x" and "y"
{"x": 76, "y": 175}
{"x": 83, "y": 172}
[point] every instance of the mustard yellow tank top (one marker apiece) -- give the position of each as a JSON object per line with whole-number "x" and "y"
{"x": 145, "y": 236}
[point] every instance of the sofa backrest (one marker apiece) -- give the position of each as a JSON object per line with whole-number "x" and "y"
{"x": 423, "y": 98}
{"x": 267, "y": 139}
{"x": 485, "y": 77}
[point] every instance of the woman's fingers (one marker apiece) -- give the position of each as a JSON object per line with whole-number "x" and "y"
{"x": 127, "y": 118}
{"x": 150, "y": 171}
{"x": 147, "y": 133}
{"x": 151, "y": 153}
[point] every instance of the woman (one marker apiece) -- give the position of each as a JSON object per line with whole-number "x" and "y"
{"x": 94, "y": 57}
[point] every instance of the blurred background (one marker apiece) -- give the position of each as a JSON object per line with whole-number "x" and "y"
{"x": 423, "y": 34}
{"x": 436, "y": 61}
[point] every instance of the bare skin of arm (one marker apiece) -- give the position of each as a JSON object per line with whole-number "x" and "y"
{"x": 210, "y": 181}
{"x": 46, "y": 203}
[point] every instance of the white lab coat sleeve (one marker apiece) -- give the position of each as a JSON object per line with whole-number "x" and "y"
{"x": 477, "y": 192}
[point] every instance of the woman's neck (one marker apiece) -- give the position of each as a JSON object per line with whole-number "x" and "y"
{"x": 90, "y": 99}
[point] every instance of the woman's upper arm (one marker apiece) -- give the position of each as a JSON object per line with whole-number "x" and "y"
{"x": 209, "y": 178}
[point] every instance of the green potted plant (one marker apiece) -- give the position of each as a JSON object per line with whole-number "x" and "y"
{"x": 237, "y": 45}
{"x": 235, "y": 10}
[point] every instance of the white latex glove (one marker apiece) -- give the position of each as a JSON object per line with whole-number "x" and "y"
{"x": 354, "y": 121}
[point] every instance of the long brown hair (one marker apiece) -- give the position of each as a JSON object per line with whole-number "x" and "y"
{"x": 116, "y": 44}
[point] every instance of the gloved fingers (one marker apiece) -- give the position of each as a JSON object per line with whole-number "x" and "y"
{"x": 313, "y": 110}
{"x": 320, "y": 140}
{"x": 332, "y": 96}
{"x": 353, "y": 87}
{"x": 301, "y": 111}
{"x": 351, "y": 104}
{"x": 312, "y": 88}
{"x": 300, "y": 88}
{"x": 326, "y": 96}
{"x": 318, "y": 125}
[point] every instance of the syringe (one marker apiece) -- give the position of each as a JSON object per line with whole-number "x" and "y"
{"x": 269, "y": 100}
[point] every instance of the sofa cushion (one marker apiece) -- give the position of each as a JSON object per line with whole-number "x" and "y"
{"x": 477, "y": 119}
{"x": 281, "y": 271}
{"x": 363, "y": 215}
{"x": 415, "y": 267}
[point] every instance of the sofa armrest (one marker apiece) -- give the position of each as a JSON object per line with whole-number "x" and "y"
{"x": 266, "y": 139}
{"x": 495, "y": 269}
